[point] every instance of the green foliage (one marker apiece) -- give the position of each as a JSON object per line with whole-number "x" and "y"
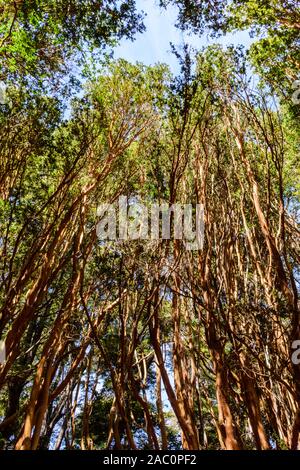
{"x": 40, "y": 38}
{"x": 275, "y": 25}
{"x": 130, "y": 343}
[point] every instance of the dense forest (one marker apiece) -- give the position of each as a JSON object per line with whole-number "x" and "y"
{"x": 142, "y": 343}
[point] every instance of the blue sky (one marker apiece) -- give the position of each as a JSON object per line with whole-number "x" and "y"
{"x": 153, "y": 45}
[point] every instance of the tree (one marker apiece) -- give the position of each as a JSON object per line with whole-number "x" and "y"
{"x": 40, "y": 38}
{"x": 275, "y": 55}
{"x": 100, "y": 334}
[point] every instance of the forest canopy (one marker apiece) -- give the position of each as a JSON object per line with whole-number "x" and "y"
{"x": 142, "y": 343}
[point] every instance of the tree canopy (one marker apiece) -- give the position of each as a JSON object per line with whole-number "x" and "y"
{"x": 275, "y": 25}
{"x": 140, "y": 342}
{"x": 38, "y": 38}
